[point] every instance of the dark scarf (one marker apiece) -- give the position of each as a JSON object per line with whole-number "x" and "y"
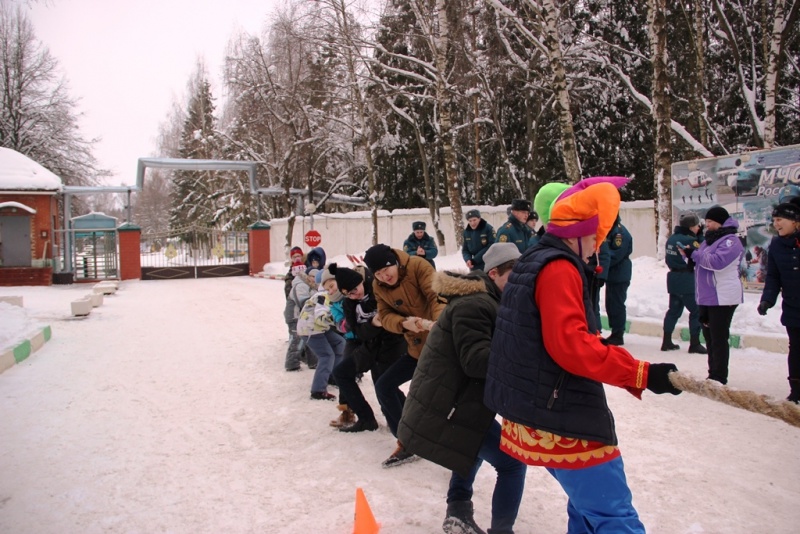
{"x": 713, "y": 235}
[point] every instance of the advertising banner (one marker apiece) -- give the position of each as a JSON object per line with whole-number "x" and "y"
{"x": 749, "y": 186}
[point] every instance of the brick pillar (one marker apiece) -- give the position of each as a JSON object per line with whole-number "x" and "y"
{"x": 130, "y": 259}
{"x": 259, "y": 246}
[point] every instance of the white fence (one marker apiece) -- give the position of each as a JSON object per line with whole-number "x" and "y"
{"x": 351, "y": 233}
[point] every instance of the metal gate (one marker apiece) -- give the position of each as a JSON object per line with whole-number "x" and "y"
{"x": 92, "y": 254}
{"x": 194, "y": 252}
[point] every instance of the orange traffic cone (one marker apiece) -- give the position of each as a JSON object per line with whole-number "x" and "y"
{"x": 365, "y": 521}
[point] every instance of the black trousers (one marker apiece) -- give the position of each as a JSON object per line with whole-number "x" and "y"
{"x": 716, "y": 323}
{"x": 346, "y": 375}
{"x": 794, "y": 351}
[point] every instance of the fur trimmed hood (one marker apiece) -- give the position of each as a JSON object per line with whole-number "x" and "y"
{"x": 449, "y": 284}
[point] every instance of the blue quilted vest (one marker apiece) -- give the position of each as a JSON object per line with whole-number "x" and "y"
{"x": 524, "y": 384}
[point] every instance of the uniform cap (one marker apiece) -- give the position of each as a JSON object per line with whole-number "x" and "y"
{"x": 688, "y": 219}
{"x": 519, "y": 204}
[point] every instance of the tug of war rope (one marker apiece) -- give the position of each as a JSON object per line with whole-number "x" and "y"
{"x": 784, "y": 410}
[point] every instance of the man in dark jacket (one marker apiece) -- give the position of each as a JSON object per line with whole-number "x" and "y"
{"x": 680, "y": 282}
{"x": 516, "y": 229}
{"x": 373, "y": 349}
{"x": 419, "y": 243}
{"x": 547, "y": 367}
{"x": 444, "y": 418}
{"x": 620, "y": 271}
{"x": 478, "y": 237}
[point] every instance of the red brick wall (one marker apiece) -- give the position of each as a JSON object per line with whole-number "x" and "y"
{"x": 259, "y": 248}
{"x": 26, "y": 276}
{"x": 130, "y": 259}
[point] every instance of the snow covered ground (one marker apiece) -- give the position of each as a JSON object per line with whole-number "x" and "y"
{"x": 168, "y": 410}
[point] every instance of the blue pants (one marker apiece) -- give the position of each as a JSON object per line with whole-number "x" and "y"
{"x": 676, "y": 304}
{"x": 599, "y": 499}
{"x": 387, "y": 389}
{"x": 328, "y": 348}
{"x": 507, "y": 488}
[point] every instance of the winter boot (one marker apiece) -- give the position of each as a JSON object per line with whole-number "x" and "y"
{"x": 794, "y": 396}
{"x": 613, "y": 339}
{"x": 667, "y": 344}
{"x": 347, "y": 417}
{"x": 400, "y": 456}
{"x": 361, "y": 425}
{"x": 459, "y": 519}
{"x": 695, "y": 347}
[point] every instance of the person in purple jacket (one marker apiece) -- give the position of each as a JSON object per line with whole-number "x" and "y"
{"x": 718, "y": 288}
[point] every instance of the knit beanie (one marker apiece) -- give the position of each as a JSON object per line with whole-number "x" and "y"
{"x": 325, "y": 276}
{"x": 688, "y": 219}
{"x": 589, "y": 207}
{"x": 544, "y": 199}
{"x": 788, "y": 210}
{"x": 717, "y": 214}
{"x": 346, "y": 279}
{"x": 296, "y": 250}
{"x": 379, "y": 256}
{"x": 498, "y": 254}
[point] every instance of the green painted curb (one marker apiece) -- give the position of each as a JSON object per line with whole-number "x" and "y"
{"x": 22, "y": 351}
{"x": 47, "y": 333}
{"x": 604, "y": 323}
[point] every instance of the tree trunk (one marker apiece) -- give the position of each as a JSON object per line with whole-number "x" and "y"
{"x": 657, "y": 29}
{"x": 569, "y": 148}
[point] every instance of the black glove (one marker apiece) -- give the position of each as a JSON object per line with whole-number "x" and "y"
{"x": 688, "y": 250}
{"x": 658, "y": 381}
{"x": 763, "y": 306}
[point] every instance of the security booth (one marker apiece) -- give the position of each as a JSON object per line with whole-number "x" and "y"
{"x": 28, "y": 220}
{"x": 94, "y": 238}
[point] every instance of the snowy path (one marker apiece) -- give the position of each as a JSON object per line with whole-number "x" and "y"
{"x": 168, "y": 410}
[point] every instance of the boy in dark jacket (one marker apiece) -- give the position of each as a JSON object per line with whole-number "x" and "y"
{"x": 373, "y": 348}
{"x": 444, "y": 418}
{"x": 680, "y": 282}
{"x": 783, "y": 276}
{"x": 547, "y": 366}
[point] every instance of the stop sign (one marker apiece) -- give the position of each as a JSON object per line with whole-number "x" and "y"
{"x": 313, "y": 238}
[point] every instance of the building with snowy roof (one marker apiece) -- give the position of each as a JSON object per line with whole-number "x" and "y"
{"x": 28, "y": 220}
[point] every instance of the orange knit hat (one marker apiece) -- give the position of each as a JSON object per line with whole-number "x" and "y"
{"x": 589, "y": 207}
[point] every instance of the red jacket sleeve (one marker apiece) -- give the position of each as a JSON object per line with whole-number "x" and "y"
{"x": 559, "y": 297}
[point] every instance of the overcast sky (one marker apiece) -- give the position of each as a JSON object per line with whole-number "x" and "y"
{"x": 128, "y": 61}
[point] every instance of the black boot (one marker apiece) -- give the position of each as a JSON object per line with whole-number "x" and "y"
{"x": 459, "y": 519}
{"x": 613, "y": 339}
{"x": 794, "y": 396}
{"x": 361, "y": 425}
{"x": 667, "y": 344}
{"x": 695, "y": 347}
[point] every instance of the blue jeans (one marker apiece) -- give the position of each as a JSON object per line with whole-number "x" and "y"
{"x": 507, "y": 488}
{"x": 599, "y": 499}
{"x": 387, "y": 389}
{"x": 328, "y": 348}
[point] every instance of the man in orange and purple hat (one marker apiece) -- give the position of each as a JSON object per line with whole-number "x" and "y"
{"x": 547, "y": 365}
